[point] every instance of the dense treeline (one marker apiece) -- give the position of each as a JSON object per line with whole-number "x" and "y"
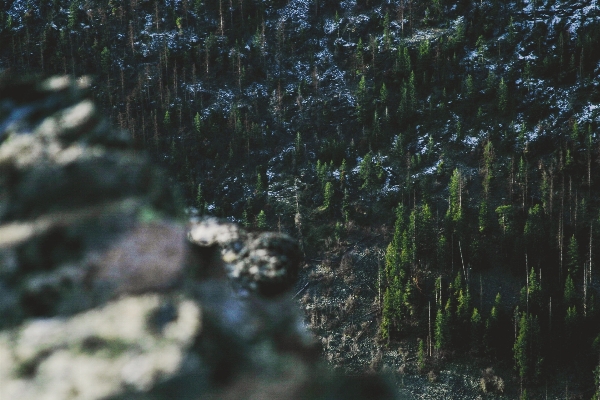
{"x": 446, "y": 112}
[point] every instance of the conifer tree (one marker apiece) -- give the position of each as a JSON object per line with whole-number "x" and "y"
{"x": 573, "y": 255}
{"x": 492, "y": 325}
{"x": 197, "y": 122}
{"x": 261, "y": 220}
{"x": 327, "y": 195}
{"x": 596, "y": 395}
{"x": 502, "y": 96}
{"x": 420, "y": 354}
{"x": 569, "y": 294}
{"x": 441, "y": 330}
{"x": 526, "y": 349}
{"x": 469, "y": 87}
{"x": 455, "y": 188}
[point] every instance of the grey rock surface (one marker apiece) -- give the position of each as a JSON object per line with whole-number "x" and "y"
{"x": 104, "y": 294}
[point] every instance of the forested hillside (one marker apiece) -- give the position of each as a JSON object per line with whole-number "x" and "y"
{"x": 437, "y": 160}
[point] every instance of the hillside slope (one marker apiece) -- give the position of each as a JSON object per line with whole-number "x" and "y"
{"x": 463, "y": 135}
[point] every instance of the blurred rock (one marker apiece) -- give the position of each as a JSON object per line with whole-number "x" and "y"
{"x": 265, "y": 263}
{"x": 104, "y": 294}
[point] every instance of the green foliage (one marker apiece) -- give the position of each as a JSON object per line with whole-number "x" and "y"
{"x": 527, "y": 347}
{"x": 167, "y": 118}
{"x": 371, "y": 173}
{"x": 531, "y": 293}
{"x": 569, "y": 294}
{"x": 420, "y": 354}
{"x": 596, "y": 395}
{"x": 261, "y": 220}
{"x": 484, "y": 217}
{"x": 463, "y": 307}
{"x": 511, "y": 31}
{"x": 105, "y": 60}
{"x": 455, "y": 189}
{"x": 260, "y": 186}
{"x": 245, "y": 219}
{"x": 469, "y": 87}
{"x": 502, "y": 96}
{"x": 492, "y": 325}
{"x": 198, "y": 123}
{"x": 506, "y": 215}
{"x": 573, "y": 262}
{"x": 327, "y": 195}
{"x": 72, "y": 18}
{"x": 346, "y": 206}
{"x": 383, "y": 94}
{"x": 571, "y": 320}
{"x": 442, "y": 330}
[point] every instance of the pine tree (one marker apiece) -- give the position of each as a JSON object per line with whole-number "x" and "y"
{"x": 105, "y": 60}
{"x": 412, "y": 92}
{"x": 502, "y": 96}
{"x": 420, "y": 354}
{"x": 469, "y": 87}
{"x": 596, "y": 395}
{"x": 571, "y": 320}
{"x": 245, "y": 219}
{"x": 573, "y": 256}
{"x": 197, "y": 122}
{"x": 569, "y": 294}
{"x": 327, "y": 195}
{"x": 346, "y": 206}
{"x": 441, "y": 330}
{"x": 261, "y": 220}
{"x": 492, "y": 324}
{"x": 455, "y": 187}
{"x": 526, "y": 349}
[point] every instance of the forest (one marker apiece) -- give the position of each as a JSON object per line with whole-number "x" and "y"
{"x": 436, "y": 160}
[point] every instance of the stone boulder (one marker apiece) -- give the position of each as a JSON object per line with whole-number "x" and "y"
{"x": 106, "y": 294}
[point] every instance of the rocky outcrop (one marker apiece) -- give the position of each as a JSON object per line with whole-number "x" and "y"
{"x": 105, "y": 294}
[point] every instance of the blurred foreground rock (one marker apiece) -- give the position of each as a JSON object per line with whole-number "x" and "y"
{"x": 104, "y": 294}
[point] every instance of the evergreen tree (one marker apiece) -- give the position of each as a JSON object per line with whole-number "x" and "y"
{"x": 569, "y": 294}
{"x": 346, "y": 206}
{"x": 327, "y": 195}
{"x": 492, "y": 325}
{"x": 573, "y": 256}
{"x": 412, "y": 92}
{"x": 502, "y": 96}
{"x": 105, "y": 60}
{"x": 197, "y": 123}
{"x": 261, "y": 220}
{"x": 469, "y": 86}
{"x": 442, "y": 334}
{"x": 596, "y": 395}
{"x": 245, "y": 219}
{"x": 531, "y": 293}
{"x": 571, "y": 328}
{"x": 526, "y": 349}
{"x": 420, "y": 354}
{"x": 455, "y": 188}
